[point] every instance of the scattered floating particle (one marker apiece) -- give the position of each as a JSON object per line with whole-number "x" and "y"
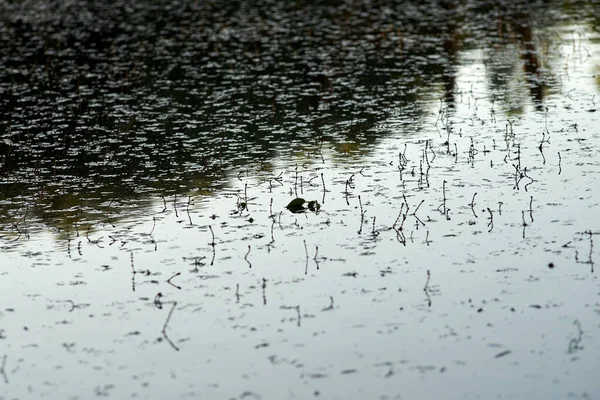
{"x": 349, "y": 371}
{"x": 503, "y": 353}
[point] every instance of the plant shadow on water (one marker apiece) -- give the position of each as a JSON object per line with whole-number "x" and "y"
{"x": 344, "y": 200}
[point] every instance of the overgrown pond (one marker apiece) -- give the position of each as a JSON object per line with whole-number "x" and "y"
{"x": 152, "y": 240}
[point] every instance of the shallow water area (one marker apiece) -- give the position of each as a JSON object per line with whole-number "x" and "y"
{"x": 450, "y": 251}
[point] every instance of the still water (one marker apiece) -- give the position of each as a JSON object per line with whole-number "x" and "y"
{"x": 450, "y": 152}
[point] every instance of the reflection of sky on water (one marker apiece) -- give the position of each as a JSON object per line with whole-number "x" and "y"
{"x": 490, "y": 289}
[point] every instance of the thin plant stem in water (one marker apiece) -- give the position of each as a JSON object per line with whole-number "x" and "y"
{"x": 444, "y": 210}
{"x": 330, "y": 307}
{"x": 414, "y": 214}
{"x": 491, "y": 223}
{"x": 68, "y": 242}
{"x": 134, "y": 272}
{"x": 153, "y": 225}
{"x": 472, "y": 205}
{"x": 362, "y": 214}
{"x": 531, "y": 208}
{"x": 426, "y": 289}
{"x": 164, "y": 329}
{"x": 187, "y": 209}
{"x": 324, "y": 190}
{"x": 306, "y": 252}
{"x": 374, "y": 232}
{"x": 214, "y": 253}
{"x": 559, "y": 164}
{"x": 175, "y": 205}
{"x": 246, "y": 257}
{"x": 3, "y": 369}
{"x": 171, "y": 283}
{"x": 213, "y": 236}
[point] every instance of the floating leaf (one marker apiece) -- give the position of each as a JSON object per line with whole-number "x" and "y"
{"x": 300, "y": 205}
{"x": 296, "y": 205}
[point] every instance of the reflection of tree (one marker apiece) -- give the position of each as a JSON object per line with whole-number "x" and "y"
{"x": 451, "y": 46}
{"x": 122, "y": 101}
{"x": 587, "y": 14}
{"x": 529, "y": 56}
{"x": 528, "y": 32}
{"x": 520, "y": 22}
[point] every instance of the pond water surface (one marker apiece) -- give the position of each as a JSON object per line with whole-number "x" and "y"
{"x": 149, "y": 153}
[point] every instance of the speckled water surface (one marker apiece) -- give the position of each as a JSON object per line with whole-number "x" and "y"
{"x": 449, "y": 152}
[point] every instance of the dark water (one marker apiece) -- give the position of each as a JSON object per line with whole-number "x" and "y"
{"x": 148, "y": 152}
{"x": 125, "y": 100}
